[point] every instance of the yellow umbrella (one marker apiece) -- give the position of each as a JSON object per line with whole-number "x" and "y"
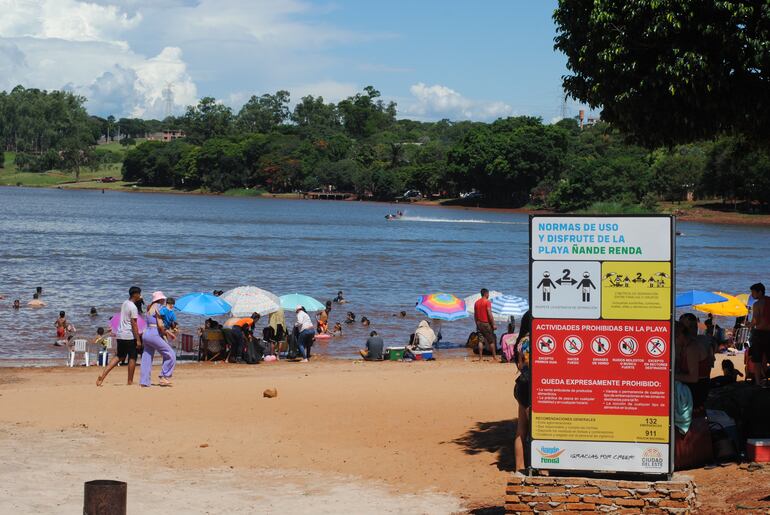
{"x": 744, "y": 298}
{"x": 732, "y": 307}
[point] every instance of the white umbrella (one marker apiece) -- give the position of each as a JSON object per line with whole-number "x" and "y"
{"x": 470, "y": 300}
{"x": 246, "y": 300}
{"x": 506, "y": 306}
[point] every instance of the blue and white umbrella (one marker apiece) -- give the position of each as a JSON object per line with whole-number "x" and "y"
{"x": 505, "y": 306}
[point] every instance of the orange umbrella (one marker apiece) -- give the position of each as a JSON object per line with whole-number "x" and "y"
{"x": 732, "y": 307}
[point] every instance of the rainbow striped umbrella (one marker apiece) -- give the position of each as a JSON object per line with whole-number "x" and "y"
{"x": 442, "y": 306}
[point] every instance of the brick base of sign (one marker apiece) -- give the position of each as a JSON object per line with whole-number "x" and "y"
{"x": 563, "y": 495}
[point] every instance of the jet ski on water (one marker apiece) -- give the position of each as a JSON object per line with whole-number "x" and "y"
{"x": 394, "y": 216}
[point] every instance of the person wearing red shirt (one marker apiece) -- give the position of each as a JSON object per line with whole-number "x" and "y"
{"x": 485, "y": 324}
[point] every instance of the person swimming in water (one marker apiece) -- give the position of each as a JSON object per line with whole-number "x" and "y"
{"x": 365, "y": 321}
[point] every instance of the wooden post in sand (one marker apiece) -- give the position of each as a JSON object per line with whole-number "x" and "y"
{"x": 105, "y": 497}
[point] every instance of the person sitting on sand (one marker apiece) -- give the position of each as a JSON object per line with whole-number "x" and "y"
{"x": 351, "y": 317}
{"x": 374, "y": 347}
{"x": 424, "y": 337}
{"x": 365, "y": 322}
{"x": 61, "y": 328}
{"x": 337, "y": 331}
{"x": 16, "y": 304}
{"x": 36, "y": 302}
{"x": 729, "y": 375}
{"x": 340, "y": 299}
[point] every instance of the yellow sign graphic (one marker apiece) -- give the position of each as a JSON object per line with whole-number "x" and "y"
{"x": 607, "y": 428}
{"x": 636, "y": 290}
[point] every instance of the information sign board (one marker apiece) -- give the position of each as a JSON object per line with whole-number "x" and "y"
{"x": 601, "y": 299}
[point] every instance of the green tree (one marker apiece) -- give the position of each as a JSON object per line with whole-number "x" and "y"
{"x": 362, "y": 115}
{"x": 208, "y": 119}
{"x": 667, "y": 71}
{"x": 264, "y": 113}
{"x": 313, "y": 115}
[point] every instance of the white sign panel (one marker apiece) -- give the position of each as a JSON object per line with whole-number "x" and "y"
{"x": 566, "y": 289}
{"x": 601, "y": 239}
{"x": 600, "y": 456}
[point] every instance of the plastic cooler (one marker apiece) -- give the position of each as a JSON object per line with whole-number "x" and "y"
{"x": 395, "y": 353}
{"x": 423, "y": 354}
{"x": 758, "y": 450}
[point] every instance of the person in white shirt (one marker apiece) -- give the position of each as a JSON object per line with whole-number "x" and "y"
{"x": 128, "y": 337}
{"x": 306, "y": 332}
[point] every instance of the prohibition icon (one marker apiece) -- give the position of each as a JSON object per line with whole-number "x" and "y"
{"x": 546, "y": 344}
{"x": 656, "y": 346}
{"x": 600, "y": 345}
{"x": 573, "y": 345}
{"x": 628, "y": 345}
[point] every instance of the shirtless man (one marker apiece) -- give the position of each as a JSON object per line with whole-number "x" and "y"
{"x": 36, "y": 302}
{"x": 61, "y": 328}
{"x": 759, "y": 352}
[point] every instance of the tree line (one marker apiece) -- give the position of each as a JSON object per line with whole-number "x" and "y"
{"x": 358, "y": 145}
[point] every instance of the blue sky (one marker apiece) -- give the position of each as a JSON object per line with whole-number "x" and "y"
{"x": 450, "y": 59}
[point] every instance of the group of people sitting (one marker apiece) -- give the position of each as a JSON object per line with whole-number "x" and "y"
{"x": 235, "y": 341}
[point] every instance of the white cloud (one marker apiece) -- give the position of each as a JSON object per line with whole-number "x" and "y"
{"x": 437, "y": 101}
{"x": 70, "y": 20}
{"x": 121, "y": 54}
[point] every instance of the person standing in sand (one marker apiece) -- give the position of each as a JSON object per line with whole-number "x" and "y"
{"x": 305, "y": 333}
{"x": 128, "y": 337}
{"x": 154, "y": 340}
{"x": 485, "y": 324}
{"x": 759, "y": 352}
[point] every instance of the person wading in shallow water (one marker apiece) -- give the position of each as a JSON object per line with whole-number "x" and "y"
{"x": 128, "y": 337}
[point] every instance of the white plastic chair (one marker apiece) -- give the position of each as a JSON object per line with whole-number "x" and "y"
{"x": 79, "y": 346}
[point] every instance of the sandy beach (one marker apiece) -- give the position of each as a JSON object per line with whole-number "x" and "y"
{"x": 341, "y": 437}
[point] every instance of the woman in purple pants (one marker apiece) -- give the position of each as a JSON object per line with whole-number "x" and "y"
{"x": 154, "y": 340}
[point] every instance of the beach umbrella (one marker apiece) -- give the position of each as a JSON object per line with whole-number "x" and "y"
{"x": 246, "y": 300}
{"x": 506, "y": 306}
{"x": 292, "y": 300}
{"x": 696, "y": 297}
{"x": 204, "y": 304}
{"x": 115, "y": 323}
{"x": 732, "y": 307}
{"x": 747, "y": 299}
{"x": 441, "y": 306}
{"x": 470, "y": 300}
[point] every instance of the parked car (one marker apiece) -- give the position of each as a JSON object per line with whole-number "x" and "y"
{"x": 109, "y": 179}
{"x": 411, "y": 196}
{"x": 472, "y": 195}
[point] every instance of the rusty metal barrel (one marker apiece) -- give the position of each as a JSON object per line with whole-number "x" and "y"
{"x": 105, "y": 497}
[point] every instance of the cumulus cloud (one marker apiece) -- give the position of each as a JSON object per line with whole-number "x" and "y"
{"x": 437, "y": 101}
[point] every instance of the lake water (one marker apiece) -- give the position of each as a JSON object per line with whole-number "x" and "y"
{"x": 86, "y": 248}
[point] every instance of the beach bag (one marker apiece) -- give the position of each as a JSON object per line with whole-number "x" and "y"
{"x": 254, "y": 352}
{"x": 293, "y": 351}
{"x": 473, "y": 341}
{"x": 508, "y": 347}
{"x": 693, "y": 449}
{"x": 722, "y": 444}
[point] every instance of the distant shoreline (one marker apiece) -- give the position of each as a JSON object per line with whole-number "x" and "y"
{"x": 684, "y": 212}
